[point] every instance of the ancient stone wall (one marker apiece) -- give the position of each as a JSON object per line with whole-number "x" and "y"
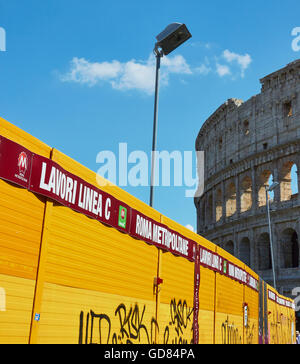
{"x": 248, "y": 145}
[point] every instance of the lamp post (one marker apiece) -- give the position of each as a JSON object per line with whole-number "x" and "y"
{"x": 169, "y": 39}
{"x": 269, "y": 189}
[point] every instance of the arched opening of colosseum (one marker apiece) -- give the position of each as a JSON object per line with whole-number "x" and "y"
{"x": 288, "y": 181}
{"x": 229, "y": 247}
{"x": 219, "y": 205}
{"x": 246, "y": 194}
{"x": 264, "y": 252}
{"x": 230, "y": 200}
{"x": 266, "y": 179}
{"x": 244, "y": 251}
{"x": 289, "y": 249}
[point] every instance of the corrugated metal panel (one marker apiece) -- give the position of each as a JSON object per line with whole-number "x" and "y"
{"x": 229, "y": 306}
{"x": 82, "y": 248}
{"x": 206, "y": 298}
{"x": 21, "y": 222}
{"x": 177, "y": 295}
{"x": 176, "y": 300}
{"x": 15, "y": 314}
{"x": 74, "y": 315}
{"x": 206, "y": 305}
{"x": 272, "y": 317}
{"x": 251, "y": 298}
{"x": 292, "y": 322}
{"x": 284, "y": 324}
{"x": 84, "y": 254}
{"x": 21, "y": 215}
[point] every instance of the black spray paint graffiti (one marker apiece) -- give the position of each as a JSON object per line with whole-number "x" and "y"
{"x": 250, "y": 334}
{"x": 132, "y": 327}
{"x": 230, "y": 333}
{"x": 180, "y": 318}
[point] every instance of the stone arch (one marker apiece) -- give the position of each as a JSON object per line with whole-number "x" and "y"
{"x": 289, "y": 249}
{"x": 265, "y": 179}
{"x": 229, "y": 247}
{"x": 219, "y": 205}
{"x": 244, "y": 251}
{"x": 288, "y": 181}
{"x": 246, "y": 194}
{"x": 264, "y": 252}
{"x": 230, "y": 199}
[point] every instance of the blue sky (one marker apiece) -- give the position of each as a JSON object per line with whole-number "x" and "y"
{"x": 79, "y": 75}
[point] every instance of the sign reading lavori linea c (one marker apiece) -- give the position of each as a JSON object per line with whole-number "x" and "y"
{"x": 51, "y": 180}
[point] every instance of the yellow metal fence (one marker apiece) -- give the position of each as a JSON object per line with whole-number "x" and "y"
{"x": 67, "y": 278}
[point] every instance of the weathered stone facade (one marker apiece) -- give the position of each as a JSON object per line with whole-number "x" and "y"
{"x": 245, "y": 143}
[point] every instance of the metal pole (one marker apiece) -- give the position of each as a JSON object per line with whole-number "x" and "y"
{"x": 271, "y": 240}
{"x": 158, "y": 57}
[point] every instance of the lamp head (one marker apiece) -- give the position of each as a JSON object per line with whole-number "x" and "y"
{"x": 172, "y": 37}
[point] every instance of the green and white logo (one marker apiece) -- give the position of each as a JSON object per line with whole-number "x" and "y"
{"x": 122, "y": 217}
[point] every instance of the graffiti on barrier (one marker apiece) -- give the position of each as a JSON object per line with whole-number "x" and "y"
{"x": 180, "y": 326}
{"x": 250, "y": 332}
{"x": 230, "y": 333}
{"x": 130, "y": 325}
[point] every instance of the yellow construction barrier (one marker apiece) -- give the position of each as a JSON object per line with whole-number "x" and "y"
{"x": 81, "y": 263}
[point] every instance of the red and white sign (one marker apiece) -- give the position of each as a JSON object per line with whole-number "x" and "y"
{"x": 279, "y": 300}
{"x": 155, "y": 233}
{"x": 51, "y": 180}
{"x": 15, "y": 162}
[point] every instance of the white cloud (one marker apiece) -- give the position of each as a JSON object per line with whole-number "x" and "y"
{"x": 139, "y": 75}
{"x": 243, "y": 61}
{"x": 222, "y": 70}
{"x": 136, "y": 75}
{"x": 89, "y": 73}
{"x": 177, "y": 64}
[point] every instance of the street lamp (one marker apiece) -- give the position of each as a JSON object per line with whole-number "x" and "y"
{"x": 169, "y": 39}
{"x": 269, "y": 189}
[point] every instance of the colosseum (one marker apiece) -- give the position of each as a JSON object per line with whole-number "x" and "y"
{"x": 248, "y": 146}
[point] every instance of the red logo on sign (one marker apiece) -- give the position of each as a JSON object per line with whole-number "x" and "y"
{"x": 22, "y": 163}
